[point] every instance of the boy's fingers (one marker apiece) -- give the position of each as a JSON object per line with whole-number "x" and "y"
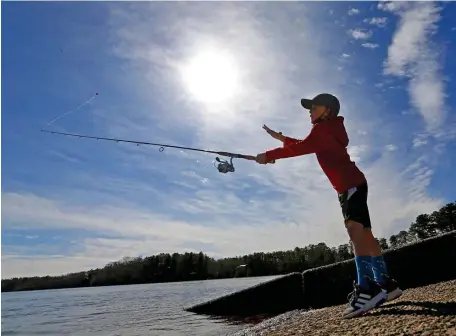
{"x": 270, "y": 131}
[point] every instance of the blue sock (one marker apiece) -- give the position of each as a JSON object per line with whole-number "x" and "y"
{"x": 379, "y": 269}
{"x": 364, "y": 270}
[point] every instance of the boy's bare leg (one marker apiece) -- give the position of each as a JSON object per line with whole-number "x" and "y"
{"x": 375, "y": 248}
{"x": 361, "y": 242}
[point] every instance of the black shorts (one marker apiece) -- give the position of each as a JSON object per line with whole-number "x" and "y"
{"x": 354, "y": 205}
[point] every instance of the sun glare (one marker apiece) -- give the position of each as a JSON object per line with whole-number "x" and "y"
{"x": 211, "y": 77}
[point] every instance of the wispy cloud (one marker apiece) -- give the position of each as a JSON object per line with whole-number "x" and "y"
{"x": 420, "y": 140}
{"x": 413, "y": 56}
{"x": 391, "y": 147}
{"x": 377, "y": 21}
{"x": 360, "y": 34}
{"x": 370, "y": 45}
{"x": 393, "y": 6}
{"x": 353, "y": 11}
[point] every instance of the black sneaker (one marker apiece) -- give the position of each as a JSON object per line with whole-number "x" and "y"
{"x": 362, "y": 299}
{"x": 391, "y": 287}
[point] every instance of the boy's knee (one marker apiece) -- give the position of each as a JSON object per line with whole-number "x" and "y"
{"x": 353, "y": 226}
{"x": 354, "y": 229}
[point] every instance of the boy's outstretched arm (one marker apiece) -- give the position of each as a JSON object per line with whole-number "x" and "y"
{"x": 314, "y": 142}
{"x": 289, "y": 141}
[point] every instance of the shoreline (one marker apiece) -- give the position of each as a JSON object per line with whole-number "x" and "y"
{"x": 428, "y": 310}
{"x": 140, "y": 283}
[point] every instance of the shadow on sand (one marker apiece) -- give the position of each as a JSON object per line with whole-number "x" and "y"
{"x": 427, "y": 308}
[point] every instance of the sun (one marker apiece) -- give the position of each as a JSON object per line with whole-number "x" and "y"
{"x": 211, "y": 76}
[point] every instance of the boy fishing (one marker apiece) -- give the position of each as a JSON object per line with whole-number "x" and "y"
{"x": 328, "y": 139}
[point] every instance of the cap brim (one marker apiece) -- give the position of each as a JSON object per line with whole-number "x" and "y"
{"x": 307, "y": 103}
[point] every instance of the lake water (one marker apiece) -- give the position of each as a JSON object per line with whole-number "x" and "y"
{"x": 152, "y": 309}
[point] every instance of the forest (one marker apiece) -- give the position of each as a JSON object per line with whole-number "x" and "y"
{"x": 167, "y": 267}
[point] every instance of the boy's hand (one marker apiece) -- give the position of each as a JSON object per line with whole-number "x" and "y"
{"x": 261, "y": 158}
{"x": 274, "y": 134}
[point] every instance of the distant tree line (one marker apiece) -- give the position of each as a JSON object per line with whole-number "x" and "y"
{"x": 198, "y": 266}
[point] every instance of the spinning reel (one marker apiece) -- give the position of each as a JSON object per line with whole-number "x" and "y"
{"x": 224, "y": 166}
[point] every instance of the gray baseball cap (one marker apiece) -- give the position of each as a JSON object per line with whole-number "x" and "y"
{"x": 323, "y": 99}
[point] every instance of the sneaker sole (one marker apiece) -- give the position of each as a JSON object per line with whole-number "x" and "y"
{"x": 394, "y": 294}
{"x": 375, "y": 302}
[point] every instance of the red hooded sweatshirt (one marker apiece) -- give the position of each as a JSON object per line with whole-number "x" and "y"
{"x": 329, "y": 141}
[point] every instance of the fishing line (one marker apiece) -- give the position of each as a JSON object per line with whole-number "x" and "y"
{"x": 223, "y": 166}
{"x": 73, "y": 110}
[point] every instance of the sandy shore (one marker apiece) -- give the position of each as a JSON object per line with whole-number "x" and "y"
{"x": 429, "y": 310}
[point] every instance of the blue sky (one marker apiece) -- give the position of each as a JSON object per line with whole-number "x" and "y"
{"x": 72, "y": 204}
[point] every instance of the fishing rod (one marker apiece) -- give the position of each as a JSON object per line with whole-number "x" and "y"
{"x": 223, "y": 166}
